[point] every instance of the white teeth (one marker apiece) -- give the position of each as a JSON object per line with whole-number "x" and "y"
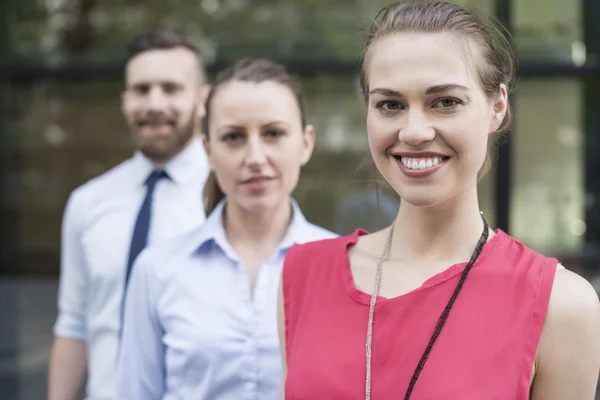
{"x": 421, "y": 163}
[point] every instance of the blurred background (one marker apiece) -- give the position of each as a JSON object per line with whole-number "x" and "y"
{"x": 61, "y": 74}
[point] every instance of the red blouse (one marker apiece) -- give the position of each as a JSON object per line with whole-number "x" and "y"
{"x": 486, "y": 349}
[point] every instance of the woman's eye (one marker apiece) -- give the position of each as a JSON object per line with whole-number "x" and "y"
{"x": 274, "y": 133}
{"x": 447, "y": 103}
{"x": 388, "y": 105}
{"x": 232, "y": 137}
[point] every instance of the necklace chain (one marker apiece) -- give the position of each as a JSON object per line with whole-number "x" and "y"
{"x": 372, "y": 311}
{"x": 442, "y": 320}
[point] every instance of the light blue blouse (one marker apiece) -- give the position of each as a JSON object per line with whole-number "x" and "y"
{"x": 193, "y": 329}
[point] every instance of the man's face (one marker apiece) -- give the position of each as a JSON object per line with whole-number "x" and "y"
{"x": 162, "y": 102}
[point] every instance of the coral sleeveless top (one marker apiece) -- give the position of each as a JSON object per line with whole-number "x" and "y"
{"x": 486, "y": 349}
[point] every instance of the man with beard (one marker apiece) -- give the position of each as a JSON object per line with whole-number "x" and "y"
{"x": 153, "y": 196}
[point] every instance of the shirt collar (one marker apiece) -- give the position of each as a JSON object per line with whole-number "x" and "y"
{"x": 185, "y": 166}
{"x": 214, "y": 232}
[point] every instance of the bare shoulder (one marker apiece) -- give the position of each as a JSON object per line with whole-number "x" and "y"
{"x": 569, "y": 351}
{"x": 574, "y": 306}
{"x": 573, "y": 299}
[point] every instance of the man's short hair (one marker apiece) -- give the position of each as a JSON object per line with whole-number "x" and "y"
{"x": 163, "y": 40}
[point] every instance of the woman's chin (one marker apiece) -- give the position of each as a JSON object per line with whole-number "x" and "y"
{"x": 423, "y": 198}
{"x": 259, "y": 204}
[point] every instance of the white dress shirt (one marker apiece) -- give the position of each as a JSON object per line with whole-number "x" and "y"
{"x": 96, "y": 235}
{"x": 194, "y": 330}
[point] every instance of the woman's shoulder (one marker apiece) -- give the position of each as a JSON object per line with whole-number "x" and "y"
{"x": 510, "y": 251}
{"x": 571, "y": 295}
{"x": 571, "y": 309}
{"x": 573, "y": 301}
{"x": 569, "y": 350}
{"x": 163, "y": 258}
{"x": 326, "y": 246}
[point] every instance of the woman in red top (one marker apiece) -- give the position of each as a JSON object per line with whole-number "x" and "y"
{"x": 438, "y": 306}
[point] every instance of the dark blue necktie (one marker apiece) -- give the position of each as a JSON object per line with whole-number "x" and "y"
{"x": 139, "y": 239}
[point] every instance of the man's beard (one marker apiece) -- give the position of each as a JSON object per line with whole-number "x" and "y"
{"x": 162, "y": 149}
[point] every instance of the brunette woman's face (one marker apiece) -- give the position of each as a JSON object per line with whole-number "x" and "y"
{"x": 256, "y": 144}
{"x": 428, "y": 119}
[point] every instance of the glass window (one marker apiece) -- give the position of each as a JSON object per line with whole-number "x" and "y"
{"x": 58, "y": 32}
{"x": 547, "y": 204}
{"x": 66, "y": 133}
{"x": 549, "y": 30}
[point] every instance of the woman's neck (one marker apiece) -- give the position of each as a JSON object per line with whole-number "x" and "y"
{"x": 258, "y": 229}
{"x": 446, "y": 232}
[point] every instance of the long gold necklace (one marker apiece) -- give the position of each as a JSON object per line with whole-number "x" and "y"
{"x": 438, "y": 329}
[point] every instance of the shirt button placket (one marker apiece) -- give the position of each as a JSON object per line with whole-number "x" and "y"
{"x": 250, "y": 351}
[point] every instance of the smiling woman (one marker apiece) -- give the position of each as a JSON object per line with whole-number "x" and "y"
{"x": 461, "y": 311}
{"x": 412, "y": 100}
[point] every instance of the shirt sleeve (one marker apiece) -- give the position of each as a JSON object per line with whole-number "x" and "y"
{"x": 73, "y": 281}
{"x": 141, "y": 366}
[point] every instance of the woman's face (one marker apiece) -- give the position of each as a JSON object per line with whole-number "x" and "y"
{"x": 428, "y": 119}
{"x": 256, "y": 143}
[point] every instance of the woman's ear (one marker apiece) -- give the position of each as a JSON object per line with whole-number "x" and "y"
{"x": 202, "y": 97}
{"x": 206, "y": 144}
{"x": 499, "y": 109}
{"x": 308, "y": 141}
